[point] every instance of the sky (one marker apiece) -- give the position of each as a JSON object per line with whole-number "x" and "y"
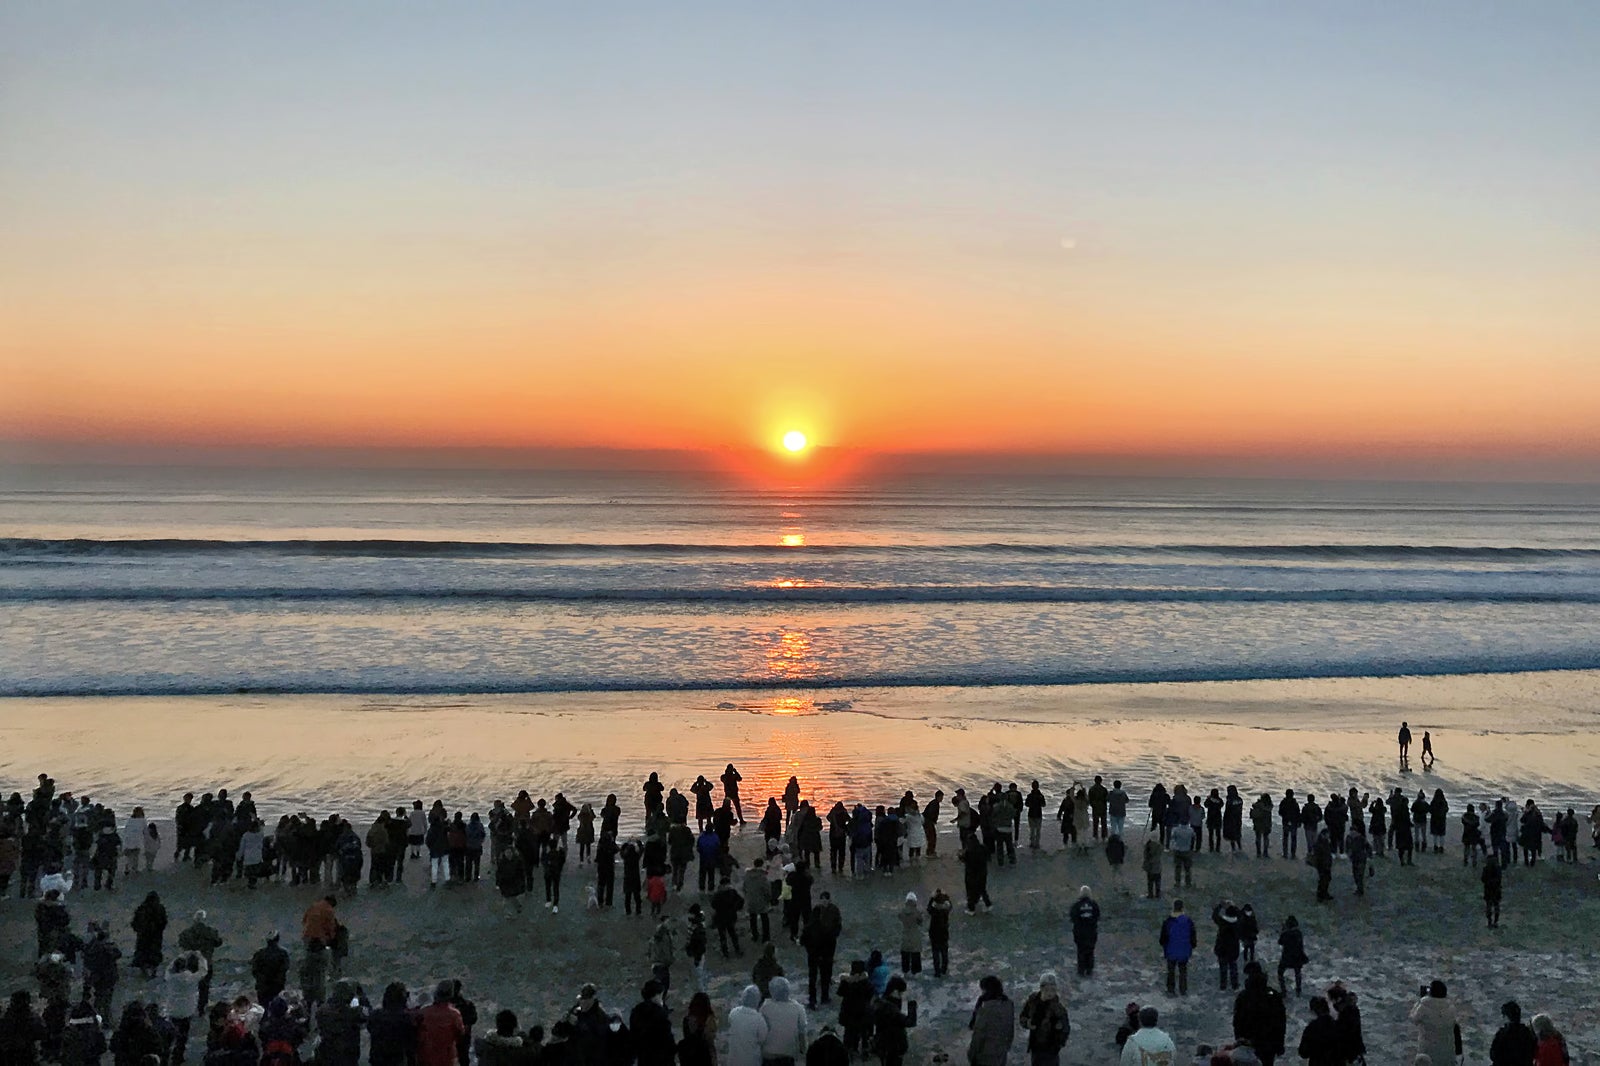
{"x": 1337, "y": 231}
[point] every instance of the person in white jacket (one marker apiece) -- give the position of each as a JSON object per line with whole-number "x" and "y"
{"x": 180, "y": 997}
{"x": 133, "y": 831}
{"x": 747, "y": 1029}
{"x": 785, "y": 1043}
{"x": 1147, "y": 1045}
{"x": 1436, "y": 1026}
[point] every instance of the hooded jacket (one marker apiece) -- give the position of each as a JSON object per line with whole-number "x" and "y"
{"x": 994, "y": 1030}
{"x": 786, "y": 1023}
{"x": 1436, "y": 1028}
{"x": 747, "y": 1029}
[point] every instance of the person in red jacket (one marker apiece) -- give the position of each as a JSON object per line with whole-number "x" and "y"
{"x": 439, "y": 1029}
{"x": 319, "y": 922}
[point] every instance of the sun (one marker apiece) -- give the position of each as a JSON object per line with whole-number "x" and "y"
{"x": 794, "y": 441}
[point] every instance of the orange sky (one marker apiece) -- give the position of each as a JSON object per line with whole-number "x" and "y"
{"x": 1232, "y": 236}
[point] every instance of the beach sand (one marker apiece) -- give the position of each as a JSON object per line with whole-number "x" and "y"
{"x": 1414, "y": 925}
{"x": 1518, "y": 735}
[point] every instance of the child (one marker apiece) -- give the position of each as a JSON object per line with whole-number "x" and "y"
{"x": 655, "y": 889}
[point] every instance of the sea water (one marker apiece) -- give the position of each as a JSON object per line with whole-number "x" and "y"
{"x": 192, "y": 581}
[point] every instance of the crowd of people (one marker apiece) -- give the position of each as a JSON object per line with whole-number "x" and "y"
{"x": 60, "y": 844}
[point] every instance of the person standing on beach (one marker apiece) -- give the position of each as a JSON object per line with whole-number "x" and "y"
{"x": 1259, "y": 1015}
{"x": 726, "y": 903}
{"x": 1322, "y": 859}
{"x": 1152, "y": 868}
{"x": 1179, "y": 938}
{"x": 1289, "y": 818}
{"x": 1492, "y": 882}
{"x": 1291, "y": 954}
{"x": 1438, "y": 820}
{"x": 939, "y": 908}
{"x": 1183, "y": 838}
{"x": 1117, "y": 808}
{"x": 1360, "y": 853}
{"x": 1085, "y": 917}
{"x": 1419, "y": 820}
{"x": 1261, "y": 823}
{"x": 1035, "y": 803}
{"x": 993, "y": 1025}
{"x": 1310, "y": 820}
{"x": 1098, "y": 797}
{"x": 730, "y": 791}
{"x": 1427, "y": 750}
{"x": 820, "y": 938}
{"x": 1405, "y": 745}
{"x": 975, "y": 867}
{"x": 1044, "y": 1017}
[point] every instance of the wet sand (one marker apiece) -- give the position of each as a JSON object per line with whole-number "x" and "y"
{"x": 1521, "y": 735}
{"x": 1514, "y": 734}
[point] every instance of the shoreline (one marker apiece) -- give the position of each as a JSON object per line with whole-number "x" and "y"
{"x": 1535, "y": 733}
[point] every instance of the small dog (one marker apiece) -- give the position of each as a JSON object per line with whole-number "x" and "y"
{"x": 592, "y": 898}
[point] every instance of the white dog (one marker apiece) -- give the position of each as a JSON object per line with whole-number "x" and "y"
{"x": 593, "y": 898}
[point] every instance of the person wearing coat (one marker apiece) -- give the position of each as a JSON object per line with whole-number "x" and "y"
{"x": 911, "y": 935}
{"x": 1179, "y": 938}
{"x": 786, "y": 1025}
{"x": 149, "y": 927}
{"x": 1259, "y": 1015}
{"x": 993, "y": 1025}
{"x": 1437, "y": 1034}
{"x": 1225, "y": 916}
{"x": 1044, "y": 1016}
{"x": 747, "y": 1029}
{"x": 1319, "y": 1043}
{"x": 890, "y": 1022}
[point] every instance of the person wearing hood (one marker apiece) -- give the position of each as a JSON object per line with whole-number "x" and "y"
{"x": 910, "y": 935}
{"x": 1044, "y": 1017}
{"x": 339, "y": 1025}
{"x": 766, "y": 968}
{"x": 855, "y": 1006}
{"x": 890, "y": 1022}
{"x": 180, "y": 998}
{"x": 1259, "y": 1015}
{"x": 1438, "y": 1035}
{"x": 758, "y": 902}
{"x": 1152, "y": 868}
{"x": 993, "y": 1025}
{"x": 1085, "y": 916}
{"x": 651, "y": 1028}
{"x": 504, "y": 1046}
{"x": 83, "y": 1042}
{"x": 20, "y": 1031}
{"x": 149, "y": 927}
{"x": 393, "y": 1029}
{"x": 1225, "y": 916}
{"x": 747, "y": 1029}
{"x": 785, "y": 1042}
{"x": 1514, "y": 1044}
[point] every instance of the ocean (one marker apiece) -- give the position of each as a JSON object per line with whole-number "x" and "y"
{"x": 134, "y": 581}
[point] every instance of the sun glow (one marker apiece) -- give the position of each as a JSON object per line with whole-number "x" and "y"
{"x": 794, "y": 441}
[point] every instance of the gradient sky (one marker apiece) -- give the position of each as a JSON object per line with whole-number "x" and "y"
{"x": 1089, "y": 229}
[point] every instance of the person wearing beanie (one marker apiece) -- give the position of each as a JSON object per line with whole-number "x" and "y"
{"x": 911, "y": 935}
{"x": 1044, "y": 1017}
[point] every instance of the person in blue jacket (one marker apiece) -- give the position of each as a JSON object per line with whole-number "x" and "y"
{"x": 1179, "y": 938}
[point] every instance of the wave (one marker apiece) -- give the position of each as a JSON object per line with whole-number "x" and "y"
{"x": 29, "y": 549}
{"x": 467, "y": 686}
{"x": 821, "y": 595}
